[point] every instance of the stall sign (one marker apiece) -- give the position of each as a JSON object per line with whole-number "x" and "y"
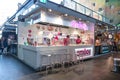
{"x": 79, "y": 24}
{"x": 84, "y": 52}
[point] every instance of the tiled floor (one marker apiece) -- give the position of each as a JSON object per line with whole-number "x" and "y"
{"x": 98, "y": 68}
{"x": 12, "y": 69}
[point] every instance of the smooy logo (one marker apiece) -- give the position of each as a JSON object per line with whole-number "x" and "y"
{"x": 84, "y": 52}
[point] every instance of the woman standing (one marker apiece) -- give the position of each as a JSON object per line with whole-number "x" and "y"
{"x": 67, "y": 40}
{"x": 78, "y": 40}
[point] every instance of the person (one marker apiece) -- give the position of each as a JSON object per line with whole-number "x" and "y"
{"x": 4, "y": 45}
{"x": 54, "y": 41}
{"x": 67, "y": 40}
{"x": 115, "y": 46}
{"x": 48, "y": 41}
{"x": 109, "y": 42}
{"x": 9, "y": 44}
{"x": 98, "y": 46}
{"x": 78, "y": 40}
{"x": 45, "y": 41}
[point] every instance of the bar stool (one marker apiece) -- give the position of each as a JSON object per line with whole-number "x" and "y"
{"x": 81, "y": 61}
{"x": 55, "y": 61}
{"x": 72, "y": 59}
{"x": 46, "y": 61}
{"x": 75, "y": 61}
{"x": 58, "y": 58}
{"x": 66, "y": 60}
{"x": 80, "y": 67}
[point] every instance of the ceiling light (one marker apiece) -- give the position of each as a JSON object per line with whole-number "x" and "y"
{"x": 50, "y": 10}
{"x": 66, "y": 14}
{"x": 80, "y": 19}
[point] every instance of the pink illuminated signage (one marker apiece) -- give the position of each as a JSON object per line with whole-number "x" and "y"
{"x": 78, "y": 24}
{"x": 84, "y": 52}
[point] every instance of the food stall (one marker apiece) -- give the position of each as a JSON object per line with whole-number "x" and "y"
{"x": 117, "y": 39}
{"x": 49, "y": 37}
{"x": 103, "y": 40}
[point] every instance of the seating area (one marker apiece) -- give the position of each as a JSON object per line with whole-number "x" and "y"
{"x": 61, "y": 63}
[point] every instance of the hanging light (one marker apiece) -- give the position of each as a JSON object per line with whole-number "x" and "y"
{"x": 50, "y": 10}
{"x": 65, "y": 14}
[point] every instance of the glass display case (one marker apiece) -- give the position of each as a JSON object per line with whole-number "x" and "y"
{"x": 47, "y": 35}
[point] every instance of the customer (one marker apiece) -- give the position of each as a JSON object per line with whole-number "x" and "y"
{"x": 115, "y": 46}
{"x": 98, "y": 46}
{"x": 9, "y": 44}
{"x": 78, "y": 40}
{"x": 67, "y": 40}
{"x": 4, "y": 45}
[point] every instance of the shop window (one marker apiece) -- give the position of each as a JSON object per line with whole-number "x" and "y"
{"x": 111, "y": 20}
{"x": 111, "y": 6}
{"x": 106, "y": 1}
{"x": 100, "y": 9}
{"x": 93, "y": 4}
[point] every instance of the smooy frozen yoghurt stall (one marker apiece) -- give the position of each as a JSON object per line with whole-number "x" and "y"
{"x": 49, "y": 32}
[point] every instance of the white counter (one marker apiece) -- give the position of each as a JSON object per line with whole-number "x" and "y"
{"x": 37, "y": 57}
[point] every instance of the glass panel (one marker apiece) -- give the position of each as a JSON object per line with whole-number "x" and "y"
{"x": 103, "y": 18}
{"x": 27, "y": 10}
{"x": 70, "y": 4}
{"x": 73, "y": 5}
{"x": 88, "y": 12}
{"x": 95, "y": 15}
{"x": 80, "y": 8}
{"x": 100, "y": 17}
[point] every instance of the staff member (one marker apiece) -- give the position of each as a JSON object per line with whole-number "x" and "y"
{"x": 67, "y": 40}
{"x": 78, "y": 40}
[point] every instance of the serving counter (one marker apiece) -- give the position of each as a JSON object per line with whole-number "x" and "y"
{"x": 37, "y": 57}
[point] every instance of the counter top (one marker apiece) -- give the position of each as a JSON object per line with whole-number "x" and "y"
{"x": 36, "y": 57}
{"x": 57, "y": 45}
